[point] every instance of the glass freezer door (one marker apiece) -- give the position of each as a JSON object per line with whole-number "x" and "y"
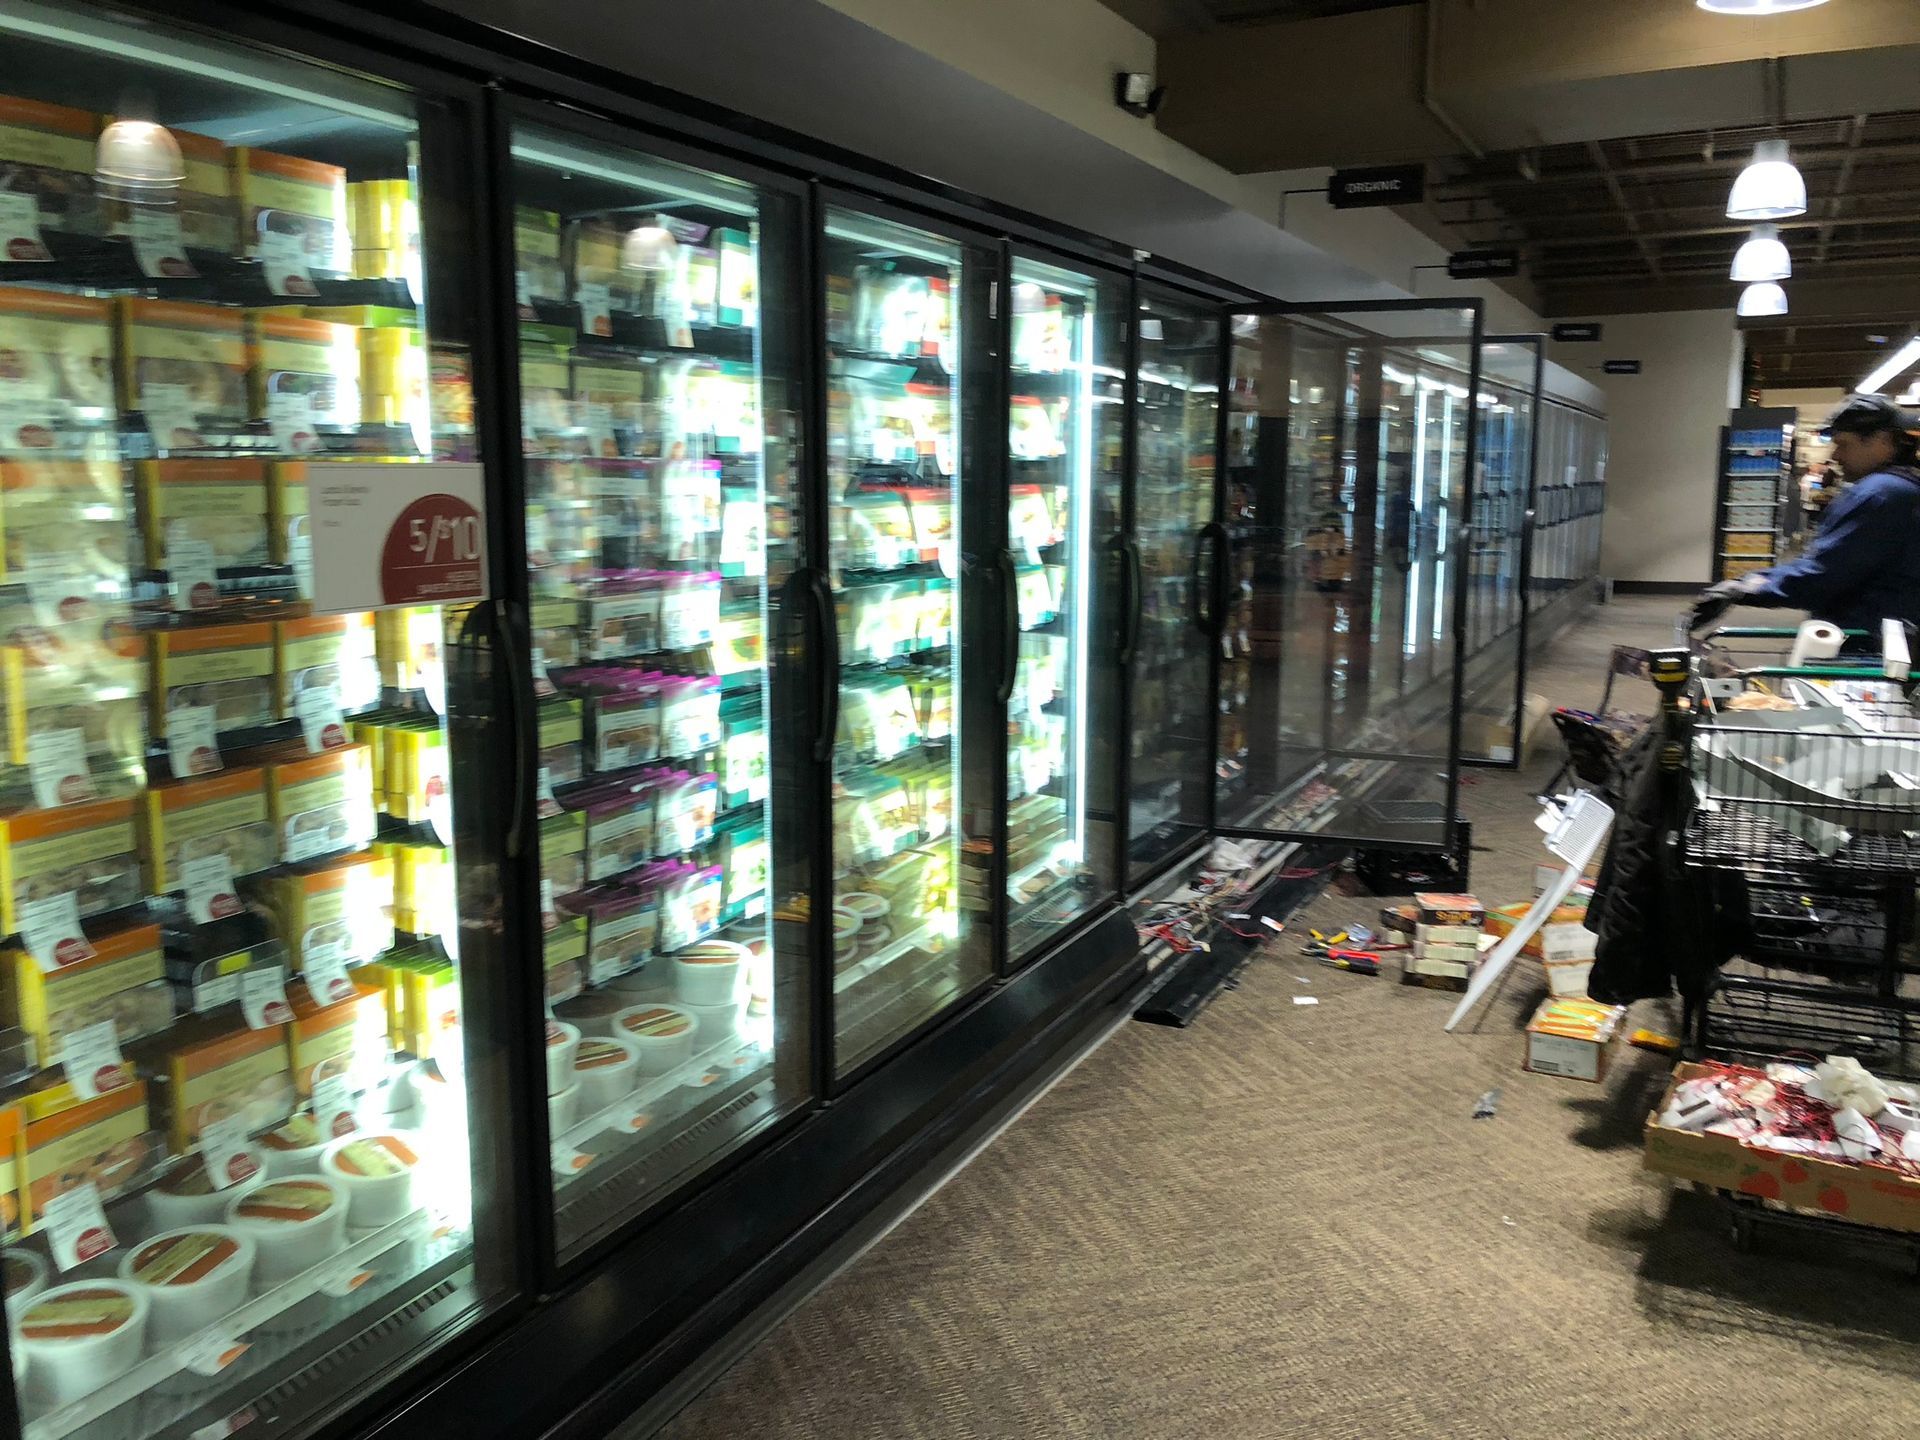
{"x": 658, "y": 421}
{"x": 909, "y": 360}
{"x": 252, "y": 1164}
{"x": 1066, "y": 416}
{"x": 1348, "y": 443}
{"x": 1176, "y": 411}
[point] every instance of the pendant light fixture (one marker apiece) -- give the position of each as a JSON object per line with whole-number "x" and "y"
{"x": 1770, "y": 188}
{"x": 1765, "y": 298}
{"x": 1756, "y": 7}
{"x": 1762, "y": 257}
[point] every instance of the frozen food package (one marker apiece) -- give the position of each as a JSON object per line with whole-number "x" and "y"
{"x": 322, "y": 803}
{"x": 47, "y": 152}
{"x": 184, "y": 367}
{"x": 202, "y": 202}
{"x": 323, "y": 652}
{"x": 285, "y": 201}
{"x": 229, "y": 667}
{"x": 222, "y": 504}
{"x": 125, "y": 982}
{"x": 303, "y": 373}
{"x": 63, "y": 518}
{"x": 220, "y": 814}
{"x": 88, "y": 849}
{"x": 56, "y": 361}
{"x": 538, "y": 273}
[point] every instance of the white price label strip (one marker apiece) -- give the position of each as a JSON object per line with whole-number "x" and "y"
{"x": 211, "y": 891}
{"x": 192, "y": 747}
{"x": 91, "y": 1058}
{"x": 76, "y": 1226}
{"x": 57, "y": 767}
{"x": 223, "y": 1148}
{"x": 51, "y": 928}
{"x": 263, "y": 997}
{"x": 321, "y": 724}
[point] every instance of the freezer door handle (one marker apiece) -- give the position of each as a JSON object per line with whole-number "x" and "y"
{"x": 1010, "y": 628}
{"x": 525, "y": 732}
{"x": 823, "y": 662}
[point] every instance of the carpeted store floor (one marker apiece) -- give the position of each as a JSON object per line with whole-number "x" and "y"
{"x": 1282, "y": 1223}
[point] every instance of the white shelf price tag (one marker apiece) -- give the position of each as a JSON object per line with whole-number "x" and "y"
{"x": 76, "y": 1226}
{"x": 283, "y": 260}
{"x": 192, "y": 747}
{"x": 91, "y": 1058}
{"x": 51, "y": 928}
{"x": 290, "y": 418}
{"x": 223, "y": 1149}
{"x": 20, "y": 227}
{"x": 333, "y": 1106}
{"x": 324, "y": 969}
{"x": 210, "y": 1354}
{"x": 159, "y": 246}
{"x": 321, "y": 724}
{"x": 191, "y": 568}
{"x": 211, "y": 891}
{"x": 263, "y": 997}
{"x": 57, "y": 767}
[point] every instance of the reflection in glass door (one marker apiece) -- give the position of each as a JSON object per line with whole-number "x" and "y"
{"x": 1347, "y": 446}
{"x": 1064, "y": 449}
{"x": 1170, "y": 764}
{"x": 658, "y": 426}
{"x": 250, "y": 874}
{"x": 913, "y": 819}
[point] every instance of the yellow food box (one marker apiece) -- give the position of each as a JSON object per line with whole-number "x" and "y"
{"x": 322, "y": 803}
{"x": 226, "y": 813}
{"x": 68, "y": 514}
{"x": 218, "y": 1073}
{"x": 103, "y": 1142}
{"x": 326, "y": 650}
{"x": 199, "y": 347}
{"x": 117, "y": 984}
{"x": 220, "y": 502}
{"x": 87, "y": 848}
{"x": 287, "y": 195}
{"x": 342, "y": 908}
{"x": 229, "y": 667}
{"x": 324, "y": 1040}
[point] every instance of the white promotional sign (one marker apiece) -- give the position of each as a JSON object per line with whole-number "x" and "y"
{"x": 386, "y": 535}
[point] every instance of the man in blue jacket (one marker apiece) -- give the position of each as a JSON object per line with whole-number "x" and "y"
{"x": 1863, "y": 564}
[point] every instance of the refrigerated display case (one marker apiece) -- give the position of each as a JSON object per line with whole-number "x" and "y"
{"x": 1066, "y": 418}
{"x": 659, "y": 437}
{"x": 251, "y": 1164}
{"x": 1348, "y": 443}
{"x": 1176, "y": 545}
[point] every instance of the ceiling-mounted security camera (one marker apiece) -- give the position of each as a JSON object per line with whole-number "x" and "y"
{"x": 1136, "y": 93}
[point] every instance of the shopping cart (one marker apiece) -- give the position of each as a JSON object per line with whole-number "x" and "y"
{"x": 1805, "y": 780}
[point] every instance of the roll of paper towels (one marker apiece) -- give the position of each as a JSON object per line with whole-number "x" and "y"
{"x": 1817, "y": 640}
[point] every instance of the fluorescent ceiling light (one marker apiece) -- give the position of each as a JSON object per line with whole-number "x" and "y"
{"x": 1756, "y": 7}
{"x": 1896, "y": 364}
{"x": 1762, "y": 257}
{"x": 1765, "y": 298}
{"x": 1769, "y": 188}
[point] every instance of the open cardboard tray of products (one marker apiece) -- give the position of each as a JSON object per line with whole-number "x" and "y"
{"x": 1865, "y": 1194}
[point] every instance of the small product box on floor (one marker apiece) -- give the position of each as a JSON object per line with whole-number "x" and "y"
{"x": 1574, "y": 1039}
{"x": 1865, "y": 1194}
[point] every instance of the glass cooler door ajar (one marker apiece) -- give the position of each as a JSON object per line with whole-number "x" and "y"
{"x": 912, "y": 811}
{"x": 1064, "y": 446}
{"x": 249, "y": 883}
{"x": 1169, "y": 767}
{"x": 1348, "y": 447}
{"x": 657, "y": 361}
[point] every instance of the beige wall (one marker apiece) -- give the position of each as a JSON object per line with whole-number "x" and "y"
{"x": 1663, "y": 433}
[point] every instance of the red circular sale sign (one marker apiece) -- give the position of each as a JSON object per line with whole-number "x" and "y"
{"x": 432, "y": 553}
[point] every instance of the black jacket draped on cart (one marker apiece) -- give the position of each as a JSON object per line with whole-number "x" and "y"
{"x": 1661, "y": 925}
